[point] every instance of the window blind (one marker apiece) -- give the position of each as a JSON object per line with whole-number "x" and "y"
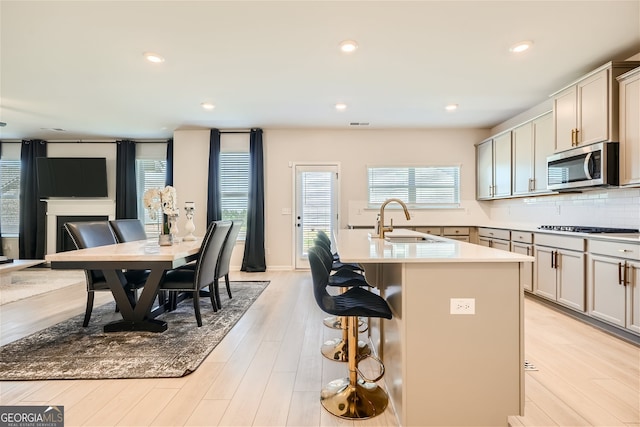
{"x": 10, "y": 196}
{"x": 234, "y": 188}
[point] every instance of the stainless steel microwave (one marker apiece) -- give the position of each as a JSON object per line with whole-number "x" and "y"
{"x": 594, "y": 165}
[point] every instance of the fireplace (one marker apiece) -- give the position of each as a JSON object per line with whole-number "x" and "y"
{"x": 60, "y": 211}
{"x": 63, "y": 240}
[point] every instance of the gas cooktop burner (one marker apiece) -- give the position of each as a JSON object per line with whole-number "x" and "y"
{"x": 587, "y": 229}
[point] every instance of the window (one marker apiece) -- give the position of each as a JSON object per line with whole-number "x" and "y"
{"x": 150, "y": 173}
{"x": 234, "y": 188}
{"x": 419, "y": 186}
{"x": 10, "y": 196}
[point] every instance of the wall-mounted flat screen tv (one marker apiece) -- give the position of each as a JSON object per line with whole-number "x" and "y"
{"x": 72, "y": 176}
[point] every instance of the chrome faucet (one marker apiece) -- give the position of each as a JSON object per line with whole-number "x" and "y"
{"x": 383, "y": 229}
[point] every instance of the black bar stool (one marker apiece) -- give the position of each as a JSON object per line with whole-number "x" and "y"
{"x": 354, "y": 397}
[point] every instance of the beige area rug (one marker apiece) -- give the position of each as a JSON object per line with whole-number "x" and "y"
{"x": 35, "y": 281}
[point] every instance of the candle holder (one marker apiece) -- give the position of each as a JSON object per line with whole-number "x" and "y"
{"x": 189, "y": 227}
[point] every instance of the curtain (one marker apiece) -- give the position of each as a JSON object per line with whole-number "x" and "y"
{"x": 214, "y": 207}
{"x": 1, "y": 243}
{"x": 32, "y": 233}
{"x": 169, "y": 171}
{"x": 254, "y": 257}
{"x": 126, "y": 193}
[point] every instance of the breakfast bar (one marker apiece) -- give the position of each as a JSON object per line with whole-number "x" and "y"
{"x": 453, "y": 352}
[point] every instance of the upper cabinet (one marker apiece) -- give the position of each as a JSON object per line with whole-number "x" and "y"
{"x": 493, "y": 167}
{"x": 586, "y": 111}
{"x": 532, "y": 142}
{"x": 630, "y": 128}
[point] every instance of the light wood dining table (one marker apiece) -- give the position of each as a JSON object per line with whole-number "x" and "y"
{"x": 112, "y": 259}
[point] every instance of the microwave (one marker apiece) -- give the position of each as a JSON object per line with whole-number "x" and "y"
{"x": 594, "y": 165}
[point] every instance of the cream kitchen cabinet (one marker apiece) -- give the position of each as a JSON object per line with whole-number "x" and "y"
{"x": 493, "y": 167}
{"x": 456, "y": 233}
{"x": 559, "y": 271}
{"x": 531, "y": 143}
{"x": 629, "y": 84}
{"x": 522, "y": 243}
{"x": 494, "y": 238}
{"x": 614, "y": 276}
{"x": 586, "y": 111}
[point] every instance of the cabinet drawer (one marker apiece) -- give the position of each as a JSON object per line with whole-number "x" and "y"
{"x": 615, "y": 249}
{"x": 521, "y": 236}
{"x": 496, "y": 233}
{"x": 562, "y": 242}
{"x": 434, "y": 231}
{"x": 455, "y": 231}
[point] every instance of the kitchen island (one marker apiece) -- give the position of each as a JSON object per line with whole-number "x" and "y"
{"x": 445, "y": 369}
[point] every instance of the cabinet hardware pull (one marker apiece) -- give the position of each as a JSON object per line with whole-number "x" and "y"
{"x": 624, "y": 250}
{"x": 527, "y": 250}
{"x": 625, "y": 280}
{"x": 619, "y": 273}
{"x": 556, "y": 257}
{"x": 552, "y": 256}
{"x": 577, "y": 139}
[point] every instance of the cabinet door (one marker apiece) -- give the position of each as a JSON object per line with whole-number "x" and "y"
{"x": 544, "y": 283}
{"x": 606, "y": 294}
{"x": 593, "y": 108}
{"x": 503, "y": 245}
{"x": 522, "y": 152}
{"x": 483, "y": 241}
{"x": 526, "y": 268}
{"x": 502, "y": 165}
{"x": 484, "y": 170}
{"x": 542, "y": 148}
{"x": 570, "y": 276}
{"x": 564, "y": 118}
{"x": 630, "y": 130}
{"x": 633, "y": 296}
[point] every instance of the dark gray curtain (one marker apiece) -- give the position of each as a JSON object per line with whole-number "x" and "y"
{"x": 32, "y": 233}
{"x": 1, "y": 244}
{"x": 169, "y": 171}
{"x": 254, "y": 257}
{"x": 126, "y": 193}
{"x": 214, "y": 207}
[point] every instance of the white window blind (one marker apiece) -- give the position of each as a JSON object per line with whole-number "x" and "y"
{"x": 316, "y": 206}
{"x": 10, "y": 196}
{"x": 417, "y": 186}
{"x": 234, "y": 188}
{"x": 150, "y": 173}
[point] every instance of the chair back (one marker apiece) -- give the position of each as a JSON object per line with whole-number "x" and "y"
{"x": 128, "y": 230}
{"x": 222, "y": 269}
{"x": 320, "y": 276}
{"x": 209, "y": 255}
{"x": 324, "y": 237}
{"x": 89, "y": 235}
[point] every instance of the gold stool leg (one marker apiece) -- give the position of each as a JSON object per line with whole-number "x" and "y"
{"x": 352, "y": 398}
{"x": 337, "y": 349}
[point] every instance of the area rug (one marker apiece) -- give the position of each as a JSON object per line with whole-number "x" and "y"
{"x": 35, "y": 281}
{"x": 69, "y": 351}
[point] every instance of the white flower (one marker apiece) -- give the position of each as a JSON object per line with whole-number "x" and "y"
{"x": 166, "y": 199}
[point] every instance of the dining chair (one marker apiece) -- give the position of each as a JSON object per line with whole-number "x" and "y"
{"x": 128, "y": 230}
{"x": 204, "y": 273}
{"x": 222, "y": 268}
{"x": 92, "y": 234}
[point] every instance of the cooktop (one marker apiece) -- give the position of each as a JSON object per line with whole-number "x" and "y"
{"x": 587, "y": 229}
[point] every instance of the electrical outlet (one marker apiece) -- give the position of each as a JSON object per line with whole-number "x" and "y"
{"x": 463, "y": 306}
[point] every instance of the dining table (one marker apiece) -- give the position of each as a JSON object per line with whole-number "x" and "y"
{"x": 136, "y": 255}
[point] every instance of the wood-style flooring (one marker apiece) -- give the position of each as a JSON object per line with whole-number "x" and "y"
{"x": 268, "y": 371}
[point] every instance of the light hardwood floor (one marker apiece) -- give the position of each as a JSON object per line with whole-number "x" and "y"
{"x": 268, "y": 370}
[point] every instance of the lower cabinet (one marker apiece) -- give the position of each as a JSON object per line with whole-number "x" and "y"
{"x": 494, "y": 238}
{"x": 614, "y": 277}
{"x": 559, "y": 273}
{"x": 522, "y": 243}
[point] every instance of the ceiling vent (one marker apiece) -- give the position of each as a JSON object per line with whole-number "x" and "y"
{"x": 359, "y": 124}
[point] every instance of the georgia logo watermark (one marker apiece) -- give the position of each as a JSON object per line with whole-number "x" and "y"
{"x": 31, "y": 416}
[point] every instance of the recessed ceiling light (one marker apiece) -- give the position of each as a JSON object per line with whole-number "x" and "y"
{"x": 348, "y": 46}
{"x": 153, "y": 57}
{"x": 207, "y": 106}
{"x": 521, "y": 46}
{"x": 451, "y": 107}
{"x": 341, "y": 106}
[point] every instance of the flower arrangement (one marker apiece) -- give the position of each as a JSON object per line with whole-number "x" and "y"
{"x": 165, "y": 200}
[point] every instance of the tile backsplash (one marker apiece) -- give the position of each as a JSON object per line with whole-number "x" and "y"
{"x": 602, "y": 208}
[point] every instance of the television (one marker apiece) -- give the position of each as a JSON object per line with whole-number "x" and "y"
{"x": 71, "y": 176}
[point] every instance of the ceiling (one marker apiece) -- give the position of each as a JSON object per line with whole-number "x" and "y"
{"x": 74, "y": 70}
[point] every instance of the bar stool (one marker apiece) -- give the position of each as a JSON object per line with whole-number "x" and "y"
{"x": 354, "y": 397}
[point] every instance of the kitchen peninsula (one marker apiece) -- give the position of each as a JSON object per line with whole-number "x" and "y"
{"x": 445, "y": 369}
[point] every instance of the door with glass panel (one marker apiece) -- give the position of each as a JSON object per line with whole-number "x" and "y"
{"x": 316, "y": 207}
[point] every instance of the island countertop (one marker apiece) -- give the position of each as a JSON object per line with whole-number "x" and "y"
{"x": 360, "y": 246}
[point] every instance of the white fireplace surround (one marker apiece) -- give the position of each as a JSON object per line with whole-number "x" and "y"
{"x": 74, "y": 207}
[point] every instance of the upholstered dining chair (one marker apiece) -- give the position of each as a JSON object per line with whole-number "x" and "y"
{"x": 204, "y": 273}
{"x": 222, "y": 268}
{"x": 92, "y": 234}
{"x": 128, "y": 230}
